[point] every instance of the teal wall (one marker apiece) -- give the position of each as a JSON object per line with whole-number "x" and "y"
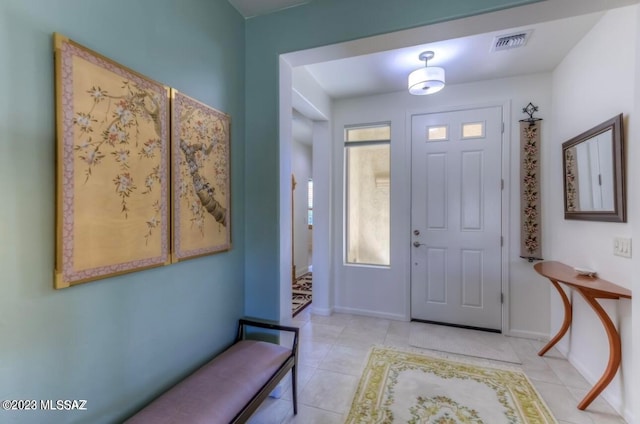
{"x": 319, "y": 23}
{"x": 121, "y": 341}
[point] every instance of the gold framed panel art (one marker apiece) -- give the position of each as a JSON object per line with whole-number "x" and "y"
{"x": 200, "y": 178}
{"x": 112, "y": 186}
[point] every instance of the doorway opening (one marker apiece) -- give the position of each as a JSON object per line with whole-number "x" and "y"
{"x": 301, "y": 222}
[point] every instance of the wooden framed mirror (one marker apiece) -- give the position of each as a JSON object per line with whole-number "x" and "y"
{"x": 594, "y": 174}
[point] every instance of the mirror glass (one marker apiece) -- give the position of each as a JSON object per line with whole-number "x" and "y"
{"x": 594, "y": 174}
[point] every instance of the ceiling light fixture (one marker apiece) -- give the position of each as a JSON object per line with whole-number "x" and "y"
{"x": 427, "y": 80}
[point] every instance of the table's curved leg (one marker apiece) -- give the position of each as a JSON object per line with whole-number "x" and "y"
{"x": 615, "y": 350}
{"x": 568, "y": 315}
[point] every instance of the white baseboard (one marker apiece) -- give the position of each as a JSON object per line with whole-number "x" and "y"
{"x": 301, "y": 271}
{"x": 563, "y": 349}
{"x": 325, "y": 312}
{"x": 368, "y": 313}
{"x": 615, "y": 401}
{"x": 524, "y": 334}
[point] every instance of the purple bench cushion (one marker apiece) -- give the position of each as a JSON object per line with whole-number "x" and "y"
{"x": 220, "y": 389}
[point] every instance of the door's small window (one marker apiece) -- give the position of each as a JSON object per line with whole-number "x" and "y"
{"x": 438, "y": 133}
{"x": 473, "y": 130}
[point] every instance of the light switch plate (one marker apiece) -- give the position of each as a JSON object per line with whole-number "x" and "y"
{"x": 622, "y": 247}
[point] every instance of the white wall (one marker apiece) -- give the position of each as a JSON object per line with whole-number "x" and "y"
{"x": 323, "y": 295}
{"x": 634, "y": 205}
{"x": 301, "y": 166}
{"x": 361, "y": 289}
{"x": 528, "y": 301}
{"x": 284, "y": 202}
{"x": 594, "y": 82}
{"x": 310, "y": 100}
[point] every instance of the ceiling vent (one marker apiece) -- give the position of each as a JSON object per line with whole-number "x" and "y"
{"x": 511, "y": 41}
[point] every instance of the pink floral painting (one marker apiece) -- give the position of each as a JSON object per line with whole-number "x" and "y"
{"x": 112, "y": 190}
{"x": 200, "y": 169}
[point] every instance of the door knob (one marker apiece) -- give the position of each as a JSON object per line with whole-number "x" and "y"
{"x": 417, "y": 244}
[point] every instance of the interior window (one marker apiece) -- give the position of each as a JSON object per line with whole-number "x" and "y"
{"x": 310, "y": 203}
{"x": 367, "y": 185}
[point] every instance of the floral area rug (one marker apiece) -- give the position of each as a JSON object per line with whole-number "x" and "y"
{"x": 409, "y": 387}
{"x": 301, "y": 293}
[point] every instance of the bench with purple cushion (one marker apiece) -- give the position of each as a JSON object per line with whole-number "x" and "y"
{"x": 230, "y": 387}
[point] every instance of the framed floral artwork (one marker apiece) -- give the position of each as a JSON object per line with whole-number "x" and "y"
{"x": 200, "y": 178}
{"x": 112, "y": 186}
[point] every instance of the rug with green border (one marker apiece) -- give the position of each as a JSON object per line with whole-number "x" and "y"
{"x": 410, "y": 387}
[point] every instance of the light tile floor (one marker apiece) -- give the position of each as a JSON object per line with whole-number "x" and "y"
{"x": 332, "y": 355}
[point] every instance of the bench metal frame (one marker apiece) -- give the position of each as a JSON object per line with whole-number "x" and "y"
{"x": 290, "y": 364}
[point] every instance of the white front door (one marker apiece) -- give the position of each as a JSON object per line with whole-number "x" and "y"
{"x": 456, "y": 217}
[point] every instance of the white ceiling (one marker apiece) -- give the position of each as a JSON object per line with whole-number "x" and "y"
{"x": 250, "y": 8}
{"x": 464, "y": 59}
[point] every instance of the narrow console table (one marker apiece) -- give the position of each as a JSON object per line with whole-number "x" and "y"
{"x": 591, "y": 288}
